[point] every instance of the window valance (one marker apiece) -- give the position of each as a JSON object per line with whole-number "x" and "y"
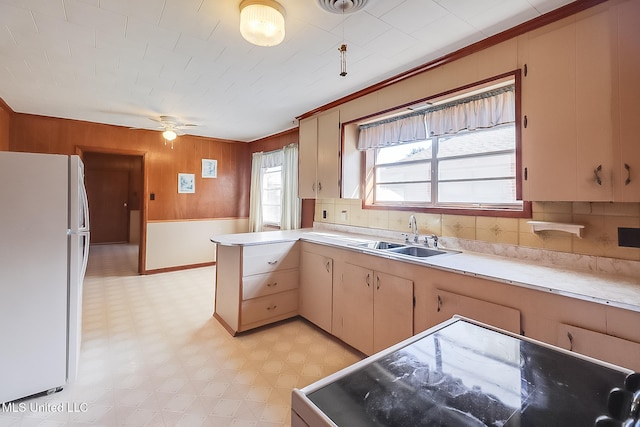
{"x": 484, "y": 110}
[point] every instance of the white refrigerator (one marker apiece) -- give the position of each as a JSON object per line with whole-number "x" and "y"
{"x": 44, "y": 246}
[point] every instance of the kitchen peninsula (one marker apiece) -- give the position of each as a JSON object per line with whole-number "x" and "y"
{"x": 269, "y": 276}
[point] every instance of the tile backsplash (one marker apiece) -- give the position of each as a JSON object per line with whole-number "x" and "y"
{"x": 599, "y": 236}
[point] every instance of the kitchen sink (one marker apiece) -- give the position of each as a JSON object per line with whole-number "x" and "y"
{"x": 380, "y": 245}
{"x": 418, "y": 251}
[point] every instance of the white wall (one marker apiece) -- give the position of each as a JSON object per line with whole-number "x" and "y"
{"x": 183, "y": 243}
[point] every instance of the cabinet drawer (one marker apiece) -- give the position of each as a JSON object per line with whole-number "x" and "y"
{"x": 266, "y": 258}
{"x": 600, "y": 346}
{"x": 260, "y": 285}
{"x": 258, "y": 309}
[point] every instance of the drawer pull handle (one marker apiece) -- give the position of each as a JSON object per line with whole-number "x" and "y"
{"x": 272, "y": 262}
{"x": 439, "y": 303}
{"x": 328, "y": 267}
{"x": 570, "y": 341}
{"x": 628, "y": 180}
{"x": 273, "y": 307}
{"x": 377, "y": 282}
{"x": 274, "y": 284}
{"x": 368, "y": 280}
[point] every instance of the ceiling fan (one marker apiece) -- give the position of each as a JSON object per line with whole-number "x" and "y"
{"x": 172, "y": 127}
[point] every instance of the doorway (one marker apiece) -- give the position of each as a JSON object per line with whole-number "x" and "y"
{"x": 115, "y": 190}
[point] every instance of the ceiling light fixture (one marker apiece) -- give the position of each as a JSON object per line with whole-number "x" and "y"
{"x": 262, "y": 22}
{"x": 169, "y": 135}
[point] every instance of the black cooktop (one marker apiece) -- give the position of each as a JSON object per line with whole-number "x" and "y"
{"x": 468, "y": 375}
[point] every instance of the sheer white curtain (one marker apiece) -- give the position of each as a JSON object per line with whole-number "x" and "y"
{"x": 291, "y": 204}
{"x": 255, "y": 201}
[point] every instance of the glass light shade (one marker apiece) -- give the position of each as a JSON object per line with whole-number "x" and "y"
{"x": 169, "y": 135}
{"x": 262, "y": 22}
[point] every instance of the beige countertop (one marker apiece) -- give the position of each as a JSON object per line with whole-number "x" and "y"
{"x": 613, "y": 289}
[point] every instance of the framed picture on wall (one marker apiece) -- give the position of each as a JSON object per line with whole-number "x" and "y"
{"x": 209, "y": 168}
{"x": 186, "y": 183}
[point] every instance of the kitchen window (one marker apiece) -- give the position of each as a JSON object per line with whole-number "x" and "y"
{"x": 272, "y": 196}
{"x": 459, "y": 153}
{"x": 274, "y": 201}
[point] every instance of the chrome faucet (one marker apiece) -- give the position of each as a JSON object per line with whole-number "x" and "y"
{"x": 413, "y": 226}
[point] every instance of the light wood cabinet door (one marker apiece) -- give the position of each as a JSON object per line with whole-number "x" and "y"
{"x": 549, "y": 107}
{"x": 328, "y": 167}
{"x": 594, "y": 121}
{"x": 319, "y": 157}
{"x": 356, "y": 317}
{"x": 316, "y": 289}
{"x": 449, "y": 304}
{"x": 307, "y": 158}
{"x": 568, "y": 135}
{"x": 600, "y": 346}
{"x": 376, "y": 310}
{"x": 628, "y": 44}
{"x": 392, "y": 310}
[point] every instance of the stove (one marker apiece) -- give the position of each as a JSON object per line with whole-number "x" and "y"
{"x": 463, "y": 373}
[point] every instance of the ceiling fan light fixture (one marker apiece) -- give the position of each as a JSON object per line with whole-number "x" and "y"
{"x": 262, "y": 22}
{"x": 169, "y": 135}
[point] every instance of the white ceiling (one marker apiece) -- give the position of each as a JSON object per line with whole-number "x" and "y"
{"x": 123, "y": 61}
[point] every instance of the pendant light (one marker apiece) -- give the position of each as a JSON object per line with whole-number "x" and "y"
{"x": 343, "y": 59}
{"x": 342, "y": 7}
{"x": 262, "y": 22}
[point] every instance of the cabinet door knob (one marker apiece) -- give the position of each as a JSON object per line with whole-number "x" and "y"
{"x": 628, "y": 180}
{"x": 596, "y": 172}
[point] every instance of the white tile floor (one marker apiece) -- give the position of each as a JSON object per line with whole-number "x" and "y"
{"x": 152, "y": 354}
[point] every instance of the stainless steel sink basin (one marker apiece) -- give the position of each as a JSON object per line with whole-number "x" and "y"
{"x": 380, "y": 245}
{"x": 418, "y": 251}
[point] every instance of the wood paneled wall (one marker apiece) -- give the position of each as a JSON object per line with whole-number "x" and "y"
{"x": 226, "y": 196}
{"x": 5, "y": 122}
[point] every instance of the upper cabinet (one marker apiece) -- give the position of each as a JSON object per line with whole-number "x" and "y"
{"x": 567, "y": 134}
{"x": 319, "y": 157}
{"x": 580, "y": 95}
{"x": 627, "y": 187}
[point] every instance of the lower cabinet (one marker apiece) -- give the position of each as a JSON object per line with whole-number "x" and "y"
{"x": 316, "y": 288}
{"x": 449, "y": 304}
{"x": 600, "y": 346}
{"x": 376, "y": 309}
{"x": 256, "y": 285}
